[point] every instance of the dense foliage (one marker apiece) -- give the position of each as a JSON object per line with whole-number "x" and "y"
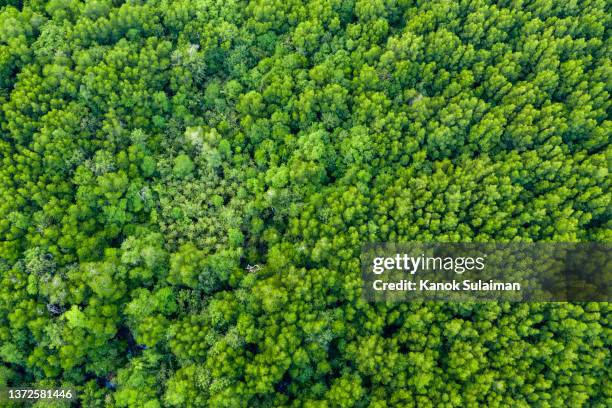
{"x": 153, "y": 152}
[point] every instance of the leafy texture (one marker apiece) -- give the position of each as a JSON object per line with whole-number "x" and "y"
{"x": 186, "y": 186}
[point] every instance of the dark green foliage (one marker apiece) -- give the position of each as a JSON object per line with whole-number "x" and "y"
{"x": 185, "y": 187}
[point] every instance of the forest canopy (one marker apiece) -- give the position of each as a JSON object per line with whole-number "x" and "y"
{"x": 185, "y": 187}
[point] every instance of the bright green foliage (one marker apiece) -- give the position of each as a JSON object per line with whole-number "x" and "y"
{"x": 183, "y": 166}
{"x": 185, "y": 187}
